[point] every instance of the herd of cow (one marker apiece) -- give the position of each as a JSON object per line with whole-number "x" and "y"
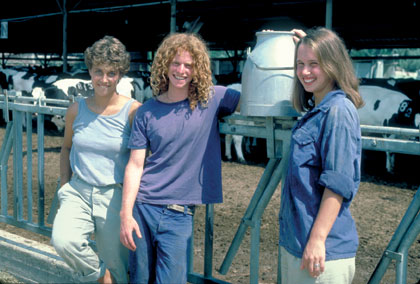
{"x": 388, "y": 102}
{"x": 65, "y": 86}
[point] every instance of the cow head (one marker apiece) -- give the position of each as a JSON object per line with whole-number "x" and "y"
{"x": 59, "y": 121}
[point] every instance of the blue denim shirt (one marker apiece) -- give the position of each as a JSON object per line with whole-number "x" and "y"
{"x": 325, "y": 153}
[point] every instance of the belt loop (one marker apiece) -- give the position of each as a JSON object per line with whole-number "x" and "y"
{"x": 185, "y": 209}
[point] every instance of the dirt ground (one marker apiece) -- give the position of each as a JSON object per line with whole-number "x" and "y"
{"x": 377, "y": 209}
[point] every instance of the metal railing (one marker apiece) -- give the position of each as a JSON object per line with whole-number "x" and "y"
{"x": 23, "y": 109}
{"x": 276, "y": 131}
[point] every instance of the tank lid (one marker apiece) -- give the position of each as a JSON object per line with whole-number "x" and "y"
{"x": 274, "y": 32}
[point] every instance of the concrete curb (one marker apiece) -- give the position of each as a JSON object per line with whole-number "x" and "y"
{"x": 32, "y": 262}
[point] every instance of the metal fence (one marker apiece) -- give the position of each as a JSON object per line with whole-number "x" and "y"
{"x": 23, "y": 109}
{"x": 275, "y": 130}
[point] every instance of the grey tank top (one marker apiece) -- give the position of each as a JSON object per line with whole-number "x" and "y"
{"x": 99, "y": 152}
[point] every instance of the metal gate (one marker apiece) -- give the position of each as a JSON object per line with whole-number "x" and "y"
{"x": 276, "y": 131}
{"x": 23, "y": 110}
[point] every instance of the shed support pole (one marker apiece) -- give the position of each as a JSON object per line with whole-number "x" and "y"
{"x": 173, "y": 16}
{"x": 65, "y": 15}
{"x": 328, "y": 14}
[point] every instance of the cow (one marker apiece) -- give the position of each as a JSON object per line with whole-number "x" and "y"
{"x": 133, "y": 85}
{"x": 25, "y": 79}
{"x": 7, "y": 74}
{"x": 4, "y": 85}
{"x": 250, "y": 143}
{"x": 236, "y": 139}
{"x": 18, "y": 79}
{"x": 387, "y": 105}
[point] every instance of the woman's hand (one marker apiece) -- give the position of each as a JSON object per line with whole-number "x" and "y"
{"x": 298, "y": 35}
{"x": 313, "y": 258}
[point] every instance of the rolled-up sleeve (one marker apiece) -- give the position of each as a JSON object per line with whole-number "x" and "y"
{"x": 340, "y": 146}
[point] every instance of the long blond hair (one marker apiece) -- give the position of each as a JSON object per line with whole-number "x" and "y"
{"x": 334, "y": 60}
{"x": 200, "y": 87}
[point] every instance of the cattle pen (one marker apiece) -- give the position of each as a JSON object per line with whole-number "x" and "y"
{"x": 274, "y": 130}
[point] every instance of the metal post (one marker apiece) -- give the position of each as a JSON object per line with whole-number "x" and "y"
{"x": 17, "y": 167}
{"x": 5, "y": 153}
{"x": 41, "y": 203}
{"x": 328, "y": 14}
{"x": 275, "y": 171}
{"x": 286, "y": 157}
{"x": 255, "y": 251}
{"x": 240, "y": 233}
{"x": 392, "y": 251}
{"x": 208, "y": 241}
{"x": 173, "y": 16}
{"x": 407, "y": 241}
{"x": 3, "y": 145}
{"x": 65, "y": 16}
{"x": 29, "y": 164}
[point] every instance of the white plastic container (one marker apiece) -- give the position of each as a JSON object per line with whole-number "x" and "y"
{"x": 267, "y": 76}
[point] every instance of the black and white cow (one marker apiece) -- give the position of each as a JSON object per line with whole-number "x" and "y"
{"x": 4, "y": 85}
{"x": 25, "y": 79}
{"x": 254, "y": 150}
{"x": 7, "y": 75}
{"x": 133, "y": 85}
{"x": 388, "y": 102}
{"x": 232, "y": 138}
{"x": 387, "y": 105}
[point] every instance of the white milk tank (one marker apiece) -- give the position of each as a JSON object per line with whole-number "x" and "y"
{"x": 267, "y": 76}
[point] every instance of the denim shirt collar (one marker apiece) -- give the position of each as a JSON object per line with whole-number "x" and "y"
{"x": 323, "y": 106}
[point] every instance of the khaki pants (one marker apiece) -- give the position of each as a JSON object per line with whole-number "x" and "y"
{"x": 86, "y": 209}
{"x": 340, "y": 271}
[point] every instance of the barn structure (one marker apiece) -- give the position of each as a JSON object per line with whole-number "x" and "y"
{"x": 62, "y": 27}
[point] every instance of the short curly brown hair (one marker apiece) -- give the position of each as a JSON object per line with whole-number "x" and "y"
{"x": 201, "y": 85}
{"x": 108, "y": 51}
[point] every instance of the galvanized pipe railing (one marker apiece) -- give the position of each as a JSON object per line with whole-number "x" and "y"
{"x": 23, "y": 109}
{"x": 407, "y": 144}
{"x": 397, "y": 249}
{"x": 277, "y": 132}
{"x": 274, "y": 129}
{"x": 13, "y": 139}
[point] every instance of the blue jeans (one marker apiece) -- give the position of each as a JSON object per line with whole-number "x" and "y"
{"x": 162, "y": 251}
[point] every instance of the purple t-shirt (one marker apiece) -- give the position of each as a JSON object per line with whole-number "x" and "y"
{"x": 184, "y": 166}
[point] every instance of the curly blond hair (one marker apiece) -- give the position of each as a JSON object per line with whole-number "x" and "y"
{"x": 108, "y": 51}
{"x": 200, "y": 88}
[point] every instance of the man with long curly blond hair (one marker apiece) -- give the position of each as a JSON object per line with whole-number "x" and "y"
{"x": 200, "y": 87}
{"x": 183, "y": 169}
